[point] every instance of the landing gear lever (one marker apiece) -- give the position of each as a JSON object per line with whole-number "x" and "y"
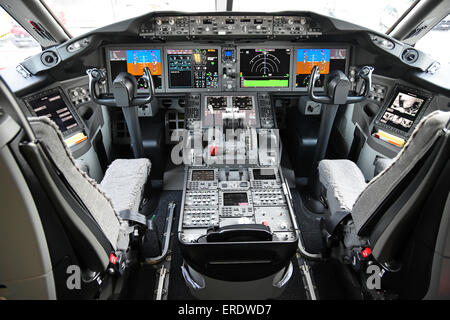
{"x": 124, "y": 95}
{"x": 336, "y": 93}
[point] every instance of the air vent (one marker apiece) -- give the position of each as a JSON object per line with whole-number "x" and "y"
{"x": 410, "y": 55}
{"x": 49, "y": 58}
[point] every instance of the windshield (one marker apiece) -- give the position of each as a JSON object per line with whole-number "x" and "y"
{"x": 378, "y": 15}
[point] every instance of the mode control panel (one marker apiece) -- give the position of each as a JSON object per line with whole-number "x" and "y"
{"x": 172, "y": 26}
{"x": 295, "y": 25}
{"x": 240, "y": 25}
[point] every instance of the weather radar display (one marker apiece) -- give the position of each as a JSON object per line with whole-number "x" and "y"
{"x": 264, "y": 68}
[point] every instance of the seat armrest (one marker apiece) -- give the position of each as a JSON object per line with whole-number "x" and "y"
{"x": 381, "y": 164}
{"x": 330, "y": 223}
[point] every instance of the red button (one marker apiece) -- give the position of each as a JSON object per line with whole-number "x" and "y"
{"x": 214, "y": 150}
{"x": 366, "y": 252}
{"x": 113, "y": 258}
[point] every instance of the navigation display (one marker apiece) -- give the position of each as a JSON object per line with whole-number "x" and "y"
{"x": 53, "y": 106}
{"x": 403, "y": 111}
{"x": 327, "y": 60}
{"x": 264, "y": 68}
{"x": 193, "y": 68}
{"x": 133, "y": 62}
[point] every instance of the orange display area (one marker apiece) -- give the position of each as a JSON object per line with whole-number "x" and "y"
{"x": 137, "y": 69}
{"x": 305, "y": 68}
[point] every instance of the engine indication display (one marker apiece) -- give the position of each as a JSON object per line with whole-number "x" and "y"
{"x": 193, "y": 68}
{"x": 264, "y": 68}
{"x": 327, "y": 60}
{"x": 133, "y": 62}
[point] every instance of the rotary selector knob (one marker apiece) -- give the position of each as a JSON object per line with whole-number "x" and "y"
{"x": 291, "y": 21}
{"x": 171, "y": 21}
{"x": 302, "y": 20}
{"x": 158, "y": 22}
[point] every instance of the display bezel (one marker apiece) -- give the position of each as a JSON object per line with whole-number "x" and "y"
{"x": 426, "y": 96}
{"x": 134, "y": 47}
{"x": 262, "y": 89}
{"x": 28, "y": 99}
{"x": 318, "y": 46}
{"x": 184, "y": 47}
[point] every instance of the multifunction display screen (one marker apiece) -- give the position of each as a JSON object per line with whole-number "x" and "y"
{"x": 403, "y": 111}
{"x": 133, "y": 62}
{"x": 203, "y": 175}
{"x": 265, "y": 68}
{"x": 327, "y": 60}
{"x": 235, "y": 199}
{"x": 193, "y": 68}
{"x": 53, "y": 106}
{"x": 264, "y": 174}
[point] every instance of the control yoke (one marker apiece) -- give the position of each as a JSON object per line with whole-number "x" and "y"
{"x": 338, "y": 87}
{"x": 337, "y": 91}
{"x": 124, "y": 95}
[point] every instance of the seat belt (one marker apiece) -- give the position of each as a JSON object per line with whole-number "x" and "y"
{"x": 136, "y": 217}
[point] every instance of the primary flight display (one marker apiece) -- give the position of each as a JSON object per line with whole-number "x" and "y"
{"x": 327, "y": 60}
{"x": 134, "y": 61}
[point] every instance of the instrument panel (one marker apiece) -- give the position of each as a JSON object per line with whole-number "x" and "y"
{"x": 225, "y": 25}
{"x": 230, "y": 67}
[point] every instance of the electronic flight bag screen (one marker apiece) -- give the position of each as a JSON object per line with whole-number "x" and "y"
{"x": 327, "y": 60}
{"x": 403, "y": 110}
{"x": 133, "y": 62}
{"x": 264, "y": 68}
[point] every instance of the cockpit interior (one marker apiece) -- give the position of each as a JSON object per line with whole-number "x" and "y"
{"x": 268, "y": 154}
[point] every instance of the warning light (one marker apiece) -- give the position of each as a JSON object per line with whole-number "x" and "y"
{"x": 113, "y": 258}
{"x": 366, "y": 252}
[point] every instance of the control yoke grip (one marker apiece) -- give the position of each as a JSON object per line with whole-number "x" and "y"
{"x": 315, "y": 74}
{"x": 365, "y": 73}
{"x": 147, "y": 76}
{"x": 95, "y": 76}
